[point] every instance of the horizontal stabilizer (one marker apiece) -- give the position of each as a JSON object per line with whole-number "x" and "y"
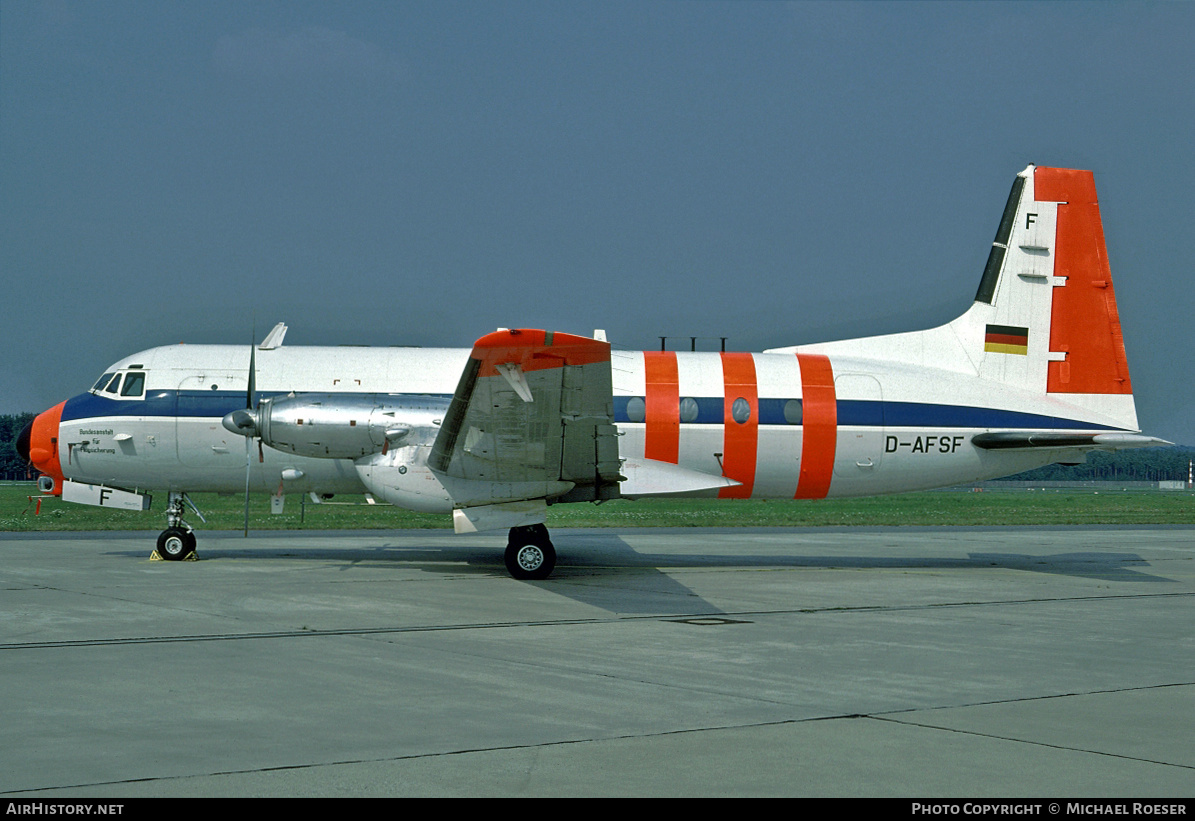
{"x": 1031, "y": 440}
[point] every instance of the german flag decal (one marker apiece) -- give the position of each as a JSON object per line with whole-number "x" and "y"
{"x": 1006, "y": 339}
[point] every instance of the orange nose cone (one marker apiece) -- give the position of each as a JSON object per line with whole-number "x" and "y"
{"x": 43, "y": 445}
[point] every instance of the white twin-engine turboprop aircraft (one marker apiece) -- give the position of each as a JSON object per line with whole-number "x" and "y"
{"x": 1033, "y": 373}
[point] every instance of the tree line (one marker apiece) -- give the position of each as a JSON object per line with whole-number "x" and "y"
{"x": 12, "y": 466}
{"x": 1136, "y": 465}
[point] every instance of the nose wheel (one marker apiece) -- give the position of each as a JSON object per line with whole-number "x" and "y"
{"x": 176, "y": 544}
{"x": 530, "y": 555}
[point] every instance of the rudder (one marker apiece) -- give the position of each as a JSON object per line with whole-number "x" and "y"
{"x": 1084, "y": 324}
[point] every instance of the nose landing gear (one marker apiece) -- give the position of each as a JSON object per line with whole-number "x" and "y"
{"x": 177, "y": 541}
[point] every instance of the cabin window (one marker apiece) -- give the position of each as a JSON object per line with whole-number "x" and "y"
{"x": 688, "y": 409}
{"x": 636, "y": 409}
{"x": 740, "y": 410}
{"x": 793, "y": 412}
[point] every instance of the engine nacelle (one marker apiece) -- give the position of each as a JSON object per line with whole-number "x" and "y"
{"x": 403, "y": 478}
{"x": 340, "y": 426}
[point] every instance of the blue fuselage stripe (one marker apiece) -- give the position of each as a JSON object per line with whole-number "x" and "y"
{"x": 710, "y": 411}
{"x": 874, "y": 413}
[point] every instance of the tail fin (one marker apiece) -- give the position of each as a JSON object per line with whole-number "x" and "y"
{"x": 1044, "y": 321}
{"x": 1045, "y": 318}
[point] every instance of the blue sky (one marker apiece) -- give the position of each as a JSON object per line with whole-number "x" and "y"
{"x": 424, "y": 172}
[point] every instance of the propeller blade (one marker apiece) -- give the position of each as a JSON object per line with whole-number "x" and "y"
{"x": 248, "y": 465}
{"x": 249, "y": 412}
{"x": 252, "y": 376}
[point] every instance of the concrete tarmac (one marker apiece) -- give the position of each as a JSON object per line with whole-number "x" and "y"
{"x": 917, "y": 662}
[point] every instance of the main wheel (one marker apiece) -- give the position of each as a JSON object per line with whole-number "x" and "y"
{"x": 528, "y": 561}
{"x": 175, "y": 544}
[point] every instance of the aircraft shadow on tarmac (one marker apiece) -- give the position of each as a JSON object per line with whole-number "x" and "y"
{"x": 601, "y": 570}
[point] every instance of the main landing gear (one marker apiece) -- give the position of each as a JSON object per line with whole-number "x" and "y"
{"x": 530, "y": 555}
{"x": 177, "y": 541}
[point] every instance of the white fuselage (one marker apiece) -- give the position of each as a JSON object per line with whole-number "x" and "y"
{"x": 782, "y": 425}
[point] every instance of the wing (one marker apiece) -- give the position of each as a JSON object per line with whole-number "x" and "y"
{"x": 533, "y": 406}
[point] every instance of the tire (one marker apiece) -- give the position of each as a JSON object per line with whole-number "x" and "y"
{"x": 528, "y": 561}
{"x": 175, "y": 544}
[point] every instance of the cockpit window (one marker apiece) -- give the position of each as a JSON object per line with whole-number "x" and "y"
{"x": 134, "y": 384}
{"x": 124, "y": 384}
